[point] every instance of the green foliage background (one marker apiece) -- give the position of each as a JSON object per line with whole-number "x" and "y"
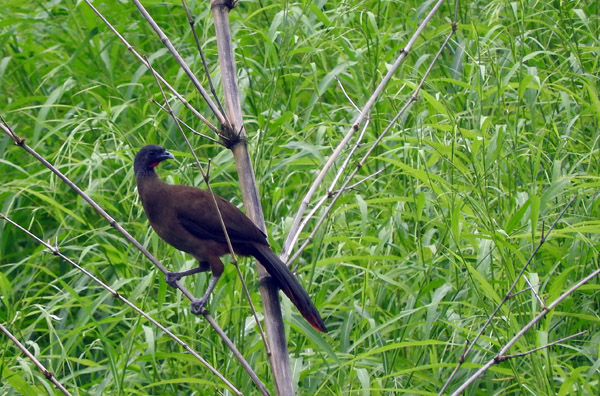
{"x": 410, "y": 263}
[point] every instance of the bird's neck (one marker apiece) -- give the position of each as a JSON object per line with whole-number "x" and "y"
{"x": 151, "y": 190}
{"x": 147, "y": 180}
{"x": 141, "y": 172}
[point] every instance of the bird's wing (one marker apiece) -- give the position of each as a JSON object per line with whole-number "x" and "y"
{"x": 196, "y": 213}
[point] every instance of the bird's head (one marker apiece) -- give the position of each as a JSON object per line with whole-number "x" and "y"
{"x": 149, "y": 157}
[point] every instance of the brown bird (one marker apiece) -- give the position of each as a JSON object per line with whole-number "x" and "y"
{"x": 187, "y": 219}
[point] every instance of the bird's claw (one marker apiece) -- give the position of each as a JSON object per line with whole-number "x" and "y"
{"x": 171, "y": 278}
{"x": 197, "y": 306}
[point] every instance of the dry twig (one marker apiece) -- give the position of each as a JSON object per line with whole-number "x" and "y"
{"x": 502, "y": 353}
{"x": 139, "y": 57}
{"x": 179, "y": 120}
{"x": 295, "y": 229}
{"x": 363, "y": 160}
{"x": 47, "y": 373}
{"x": 165, "y": 40}
{"x": 509, "y": 294}
{"x": 192, "y": 24}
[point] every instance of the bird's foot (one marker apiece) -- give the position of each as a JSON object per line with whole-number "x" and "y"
{"x": 171, "y": 278}
{"x": 197, "y": 306}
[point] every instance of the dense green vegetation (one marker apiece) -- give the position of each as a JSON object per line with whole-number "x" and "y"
{"x": 410, "y": 263}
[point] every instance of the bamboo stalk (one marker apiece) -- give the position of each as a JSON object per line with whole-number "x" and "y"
{"x": 278, "y": 356}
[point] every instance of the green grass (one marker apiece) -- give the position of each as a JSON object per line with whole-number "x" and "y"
{"x": 409, "y": 264}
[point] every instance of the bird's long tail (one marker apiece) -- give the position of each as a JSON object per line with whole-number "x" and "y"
{"x": 289, "y": 285}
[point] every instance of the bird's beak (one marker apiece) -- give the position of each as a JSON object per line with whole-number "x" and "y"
{"x": 166, "y": 155}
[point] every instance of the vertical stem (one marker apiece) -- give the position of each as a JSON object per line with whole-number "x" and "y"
{"x": 279, "y": 359}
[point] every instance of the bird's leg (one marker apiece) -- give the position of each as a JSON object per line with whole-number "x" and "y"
{"x": 198, "y": 304}
{"x": 172, "y": 277}
{"x": 216, "y": 266}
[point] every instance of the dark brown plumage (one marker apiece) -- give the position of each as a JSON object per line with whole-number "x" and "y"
{"x": 186, "y": 218}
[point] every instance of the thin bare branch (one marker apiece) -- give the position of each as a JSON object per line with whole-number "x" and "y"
{"x": 290, "y": 241}
{"x": 47, "y": 373}
{"x": 346, "y": 94}
{"x": 192, "y": 23}
{"x": 167, "y": 43}
{"x": 195, "y": 132}
{"x": 187, "y": 142}
{"x": 509, "y": 294}
{"x": 528, "y": 288}
{"x": 524, "y": 330}
{"x": 324, "y": 198}
{"x": 536, "y": 295}
{"x": 506, "y": 357}
{"x": 404, "y": 108}
{"x": 294, "y": 233}
{"x": 116, "y": 294}
{"x": 342, "y": 168}
{"x": 372, "y": 175}
{"x": 131, "y": 49}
